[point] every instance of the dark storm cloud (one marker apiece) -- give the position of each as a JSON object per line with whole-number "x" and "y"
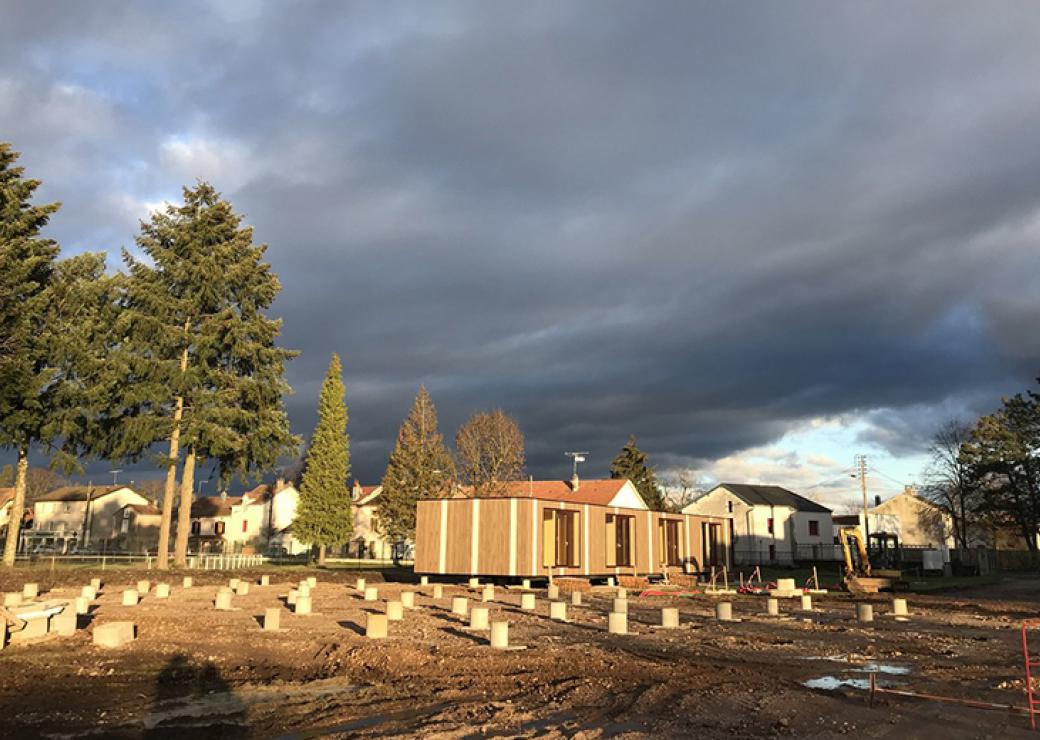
{"x": 702, "y": 224}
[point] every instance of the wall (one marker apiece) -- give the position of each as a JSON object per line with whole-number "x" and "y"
{"x": 504, "y": 537}
{"x": 283, "y": 508}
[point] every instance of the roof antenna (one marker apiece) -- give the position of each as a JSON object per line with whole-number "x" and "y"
{"x": 577, "y": 457}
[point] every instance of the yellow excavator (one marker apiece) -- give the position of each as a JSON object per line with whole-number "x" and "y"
{"x": 860, "y": 577}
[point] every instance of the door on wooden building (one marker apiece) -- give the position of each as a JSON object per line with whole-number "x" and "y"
{"x": 560, "y": 538}
{"x": 618, "y": 540}
{"x": 711, "y": 539}
{"x": 668, "y": 539}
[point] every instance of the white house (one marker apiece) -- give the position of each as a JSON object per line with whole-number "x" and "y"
{"x": 280, "y": 503}
{"x": 84, "y": 515}
{"x": 770, "y": 524}
{"x": 367, "y": 541}
{"x": 6, "y": 501}
{"x": 227, "y": 523}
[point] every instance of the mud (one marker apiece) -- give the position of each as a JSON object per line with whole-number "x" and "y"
{"x": 216, "y": 674}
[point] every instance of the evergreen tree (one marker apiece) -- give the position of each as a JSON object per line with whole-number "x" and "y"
{"x": 1003, "y": 453}
{"x": 324, "y": 516}
{"x": 53, "y": 321}
{"x": 631, "y": 463}
{"x": 420, "y": 466}
{"x": 202, "y": 370}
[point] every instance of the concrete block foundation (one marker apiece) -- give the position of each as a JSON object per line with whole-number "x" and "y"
{"x": 272, "y": 619}
{"x": 114, "y": 634}
{"x": 376, "y": 626}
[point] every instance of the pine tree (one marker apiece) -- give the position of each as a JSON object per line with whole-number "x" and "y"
{"x": 53, "y": 324}
{"x": 324, "y": 516}
{"x": 202, "y": 368}
{"x": 631, "y": 463}
{"x": 420, "y": 466}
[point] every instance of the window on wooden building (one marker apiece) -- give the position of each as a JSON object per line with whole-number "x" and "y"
{"x": 668, "y": 541}
{"x": 618, "y": 540}
{"x": 814, "y": 528}
{"x": 561, "y": 536}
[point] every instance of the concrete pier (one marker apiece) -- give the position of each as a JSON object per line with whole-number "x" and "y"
{"x": 272, "y": 619}
{"x": 527, "y": 602}
{"x": 617, "y": 624}
{"x": 376, "y": 626}
{"x": 460, "y": 605}
{"x": 130, "y": 597}
{"x": 394, "y": 611}
{"x": 558, "y": 611}
{"x": 864, "y": 612}
{"x": 478, "y": 618}
{"x": 620, "y": 606}
{"x": 724, "y": 611}
{"x": 500, "y": 635}
{"x": 669, "y": 617}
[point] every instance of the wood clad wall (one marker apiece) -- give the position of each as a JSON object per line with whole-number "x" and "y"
{"x": 501, "y": 522}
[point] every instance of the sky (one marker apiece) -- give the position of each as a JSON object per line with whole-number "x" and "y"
{"x": 761, "y": 237}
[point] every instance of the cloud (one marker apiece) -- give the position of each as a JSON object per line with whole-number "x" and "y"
{"x": 704, "y": 225}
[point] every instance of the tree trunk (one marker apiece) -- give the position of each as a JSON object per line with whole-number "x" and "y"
{"x": 14, "y": 522}
{"x": 321, "y": 555}
{"x": 180, "y": 555}
{"x": 163, "y": 561}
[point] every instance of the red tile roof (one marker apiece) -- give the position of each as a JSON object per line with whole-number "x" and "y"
{"x": 600, "y": 492}
{"x": 144, "y": 509}
{"x": 211, "y": 506}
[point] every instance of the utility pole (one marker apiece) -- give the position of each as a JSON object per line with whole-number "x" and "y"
{"x": 861, "y": 464}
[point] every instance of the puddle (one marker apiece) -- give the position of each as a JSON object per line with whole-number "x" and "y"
{"x": 886, "y": 668}
{"x": 832, "y": 683}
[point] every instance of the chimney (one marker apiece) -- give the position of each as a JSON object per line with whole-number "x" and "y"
{"x": 223, "y": 495}
{"x": 575, "y": 482}
{"x": 356, "y": 490}
{"x": 279, "y": 484}
{"x": 877, "y": 501}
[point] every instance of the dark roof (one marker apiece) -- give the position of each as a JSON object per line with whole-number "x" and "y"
{"x": 79, "y": 493}
{"x": 771, "y": 496}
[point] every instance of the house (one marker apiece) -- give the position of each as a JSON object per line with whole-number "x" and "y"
{"x": 577, "y": 528}
{"x": 137, "y": 527}
{"x": 6, "y": 502}
{"x": 919, "y": 522}
{"x": 367, "y": 540}
{"x": 81, "y": 515}
{"x": 770, "y": 524}
{"x": 228, "y": 523}
{"x": 280, "y": 502}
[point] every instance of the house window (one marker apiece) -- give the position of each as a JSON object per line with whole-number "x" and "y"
{"x": 729, "y": 505}
{"x": 769, "y": 525}
{"x": 772, "y": 551}
{"x": 814, "y": 528}
{"x": 218, "y": 527}
{"x": 196, "y": 527}
{"x": 619, "y": 540}
{"x": 245, "y": 526}
{"x": 560, "y": 535}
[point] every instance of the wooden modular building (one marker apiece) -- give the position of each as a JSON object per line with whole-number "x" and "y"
{"x": 595, "y": 528}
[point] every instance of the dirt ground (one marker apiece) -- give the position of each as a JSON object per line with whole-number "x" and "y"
{"x": 216, "y": 674}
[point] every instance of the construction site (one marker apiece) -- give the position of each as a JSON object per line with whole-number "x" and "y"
{"x": 298, "y": 652}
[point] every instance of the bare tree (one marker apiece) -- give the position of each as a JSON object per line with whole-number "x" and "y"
{"x": 949, "y": 481}
{"x": 490, "y": 448}
{"x": 683, "y": 493}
